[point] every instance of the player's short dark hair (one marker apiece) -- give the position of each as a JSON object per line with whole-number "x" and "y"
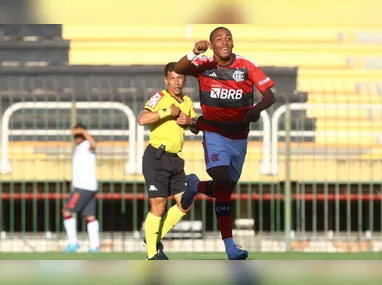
{"x": 218, "y": 28}
{"x": 80, "y": 126}
{"x": 169, "y": 68}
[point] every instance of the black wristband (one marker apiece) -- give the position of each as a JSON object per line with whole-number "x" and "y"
{"x": 193, "y": 124}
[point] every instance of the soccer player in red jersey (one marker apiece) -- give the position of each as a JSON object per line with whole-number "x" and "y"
{"x": 226, "y": 94}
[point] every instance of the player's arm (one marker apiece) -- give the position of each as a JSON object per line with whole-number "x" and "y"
{"x": 185, "y": 65}
{"x": 188, "y": 121}
{"x": 184, "y": 120}
{"x": 148, "y": 117}
{"x": 90, "y": 139}
{"x": 87, "y": 136}
{"x": 263, "y": 83}
{"x": 155, "y": 110}
{"x": 194, "y": 118}
{"x": 267, "y": 101}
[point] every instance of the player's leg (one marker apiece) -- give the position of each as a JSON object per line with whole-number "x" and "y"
{"x": 89, "y": 213}
{"x": 176, "y": 212}
{"x": 157, "y": 184}
{"x": 223, "y": 187}
{"x": 238, "y": 150}
{"x": 70, "y": 223}
{"x": 217, "y": 158}
{"x": 215, "y": 154}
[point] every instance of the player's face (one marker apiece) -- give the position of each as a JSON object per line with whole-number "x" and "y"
{"x": 175, "y": 83}
{"x": 222, "y": 44}
{"x": 78, "y": 140}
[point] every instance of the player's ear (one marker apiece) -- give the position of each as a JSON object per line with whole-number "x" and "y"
{"x": 210, "y": 45}
{"x": 165, "y": 80}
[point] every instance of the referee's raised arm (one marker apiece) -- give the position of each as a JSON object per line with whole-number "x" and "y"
{"x": 147, "y": 117}
{"x": 184, "y": 65}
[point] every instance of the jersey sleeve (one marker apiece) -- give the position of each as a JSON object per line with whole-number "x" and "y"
{"x": 85, "y": 145}
{"x": 153, "y": 104}
{"x": 258, "y": 77}
{"x": 199, "y": 64}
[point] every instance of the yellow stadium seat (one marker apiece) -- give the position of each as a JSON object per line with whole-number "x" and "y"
{"x": 278, "y": 33}
{"x": 333, "y": 124}
{"x": 330, "y": 66}
{"x": 346, "y": 139}
{"x": 337, "y": 113}
{"x": 124, "y": 32}
{"x": 333, "y": 98}
{"x": 306, "y": 47}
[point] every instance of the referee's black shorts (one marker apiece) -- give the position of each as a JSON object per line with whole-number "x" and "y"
{"x": 164, "y": 177}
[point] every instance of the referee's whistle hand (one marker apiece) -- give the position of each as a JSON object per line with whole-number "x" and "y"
{"x": 174, "y": 111}
{"x": 183, "y": 119}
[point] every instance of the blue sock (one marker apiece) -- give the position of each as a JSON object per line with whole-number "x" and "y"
{"x": 228, "y": 242}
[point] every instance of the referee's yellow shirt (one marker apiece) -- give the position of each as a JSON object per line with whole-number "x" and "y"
{"x": 166, "y": 130}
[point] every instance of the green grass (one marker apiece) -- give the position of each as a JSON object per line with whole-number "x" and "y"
{"x": 192, "y": 256}
{"x": 101, "y": 273}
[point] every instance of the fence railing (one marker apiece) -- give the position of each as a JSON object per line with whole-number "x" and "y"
{"x": 5, "y": 166}
{"x": 304, "y": 106}
{"x": 136, "y": 142}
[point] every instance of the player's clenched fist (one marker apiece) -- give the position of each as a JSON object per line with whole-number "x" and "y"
{"x": 201, "y": 46}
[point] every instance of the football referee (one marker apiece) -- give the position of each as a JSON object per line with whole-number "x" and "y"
{"x": 169, "y": 112}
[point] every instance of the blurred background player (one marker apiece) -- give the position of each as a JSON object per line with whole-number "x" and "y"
{"x": 82, "y": 200}
{"x": 169, "y": 112}
{"x": 226, "y": 95}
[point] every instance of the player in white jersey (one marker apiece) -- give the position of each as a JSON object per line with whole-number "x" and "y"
{"x": 85, "y": 186}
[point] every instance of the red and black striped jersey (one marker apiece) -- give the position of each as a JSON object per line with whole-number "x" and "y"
{"x": 226, "y": 92}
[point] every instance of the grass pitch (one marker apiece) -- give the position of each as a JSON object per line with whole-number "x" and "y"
{"x": 192, "y": 256}
{"x": 124, "y": 268}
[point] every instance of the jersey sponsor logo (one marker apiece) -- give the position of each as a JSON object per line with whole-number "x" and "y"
{"x": 154, "y": 100}
{"x": 264, "y": 81}
{"x": 152, "y": 188}
{"x": 238, "y": 76}
{"x": 222, "y": 93}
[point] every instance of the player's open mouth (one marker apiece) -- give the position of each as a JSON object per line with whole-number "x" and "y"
{"x": 224, "y": 49}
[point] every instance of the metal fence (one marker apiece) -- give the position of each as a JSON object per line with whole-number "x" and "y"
{"x": 311, "y": 181}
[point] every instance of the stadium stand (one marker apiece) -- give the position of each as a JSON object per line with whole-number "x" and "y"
{"x": 33, "y": 45}
{"x": 336, "y": 65}
{"x": 332, "y": 60}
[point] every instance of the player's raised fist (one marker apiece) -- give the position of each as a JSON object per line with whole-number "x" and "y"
{"x": 201, "y": 46}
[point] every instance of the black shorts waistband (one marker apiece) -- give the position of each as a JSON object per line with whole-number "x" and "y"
{"x": 165, "y": 153}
